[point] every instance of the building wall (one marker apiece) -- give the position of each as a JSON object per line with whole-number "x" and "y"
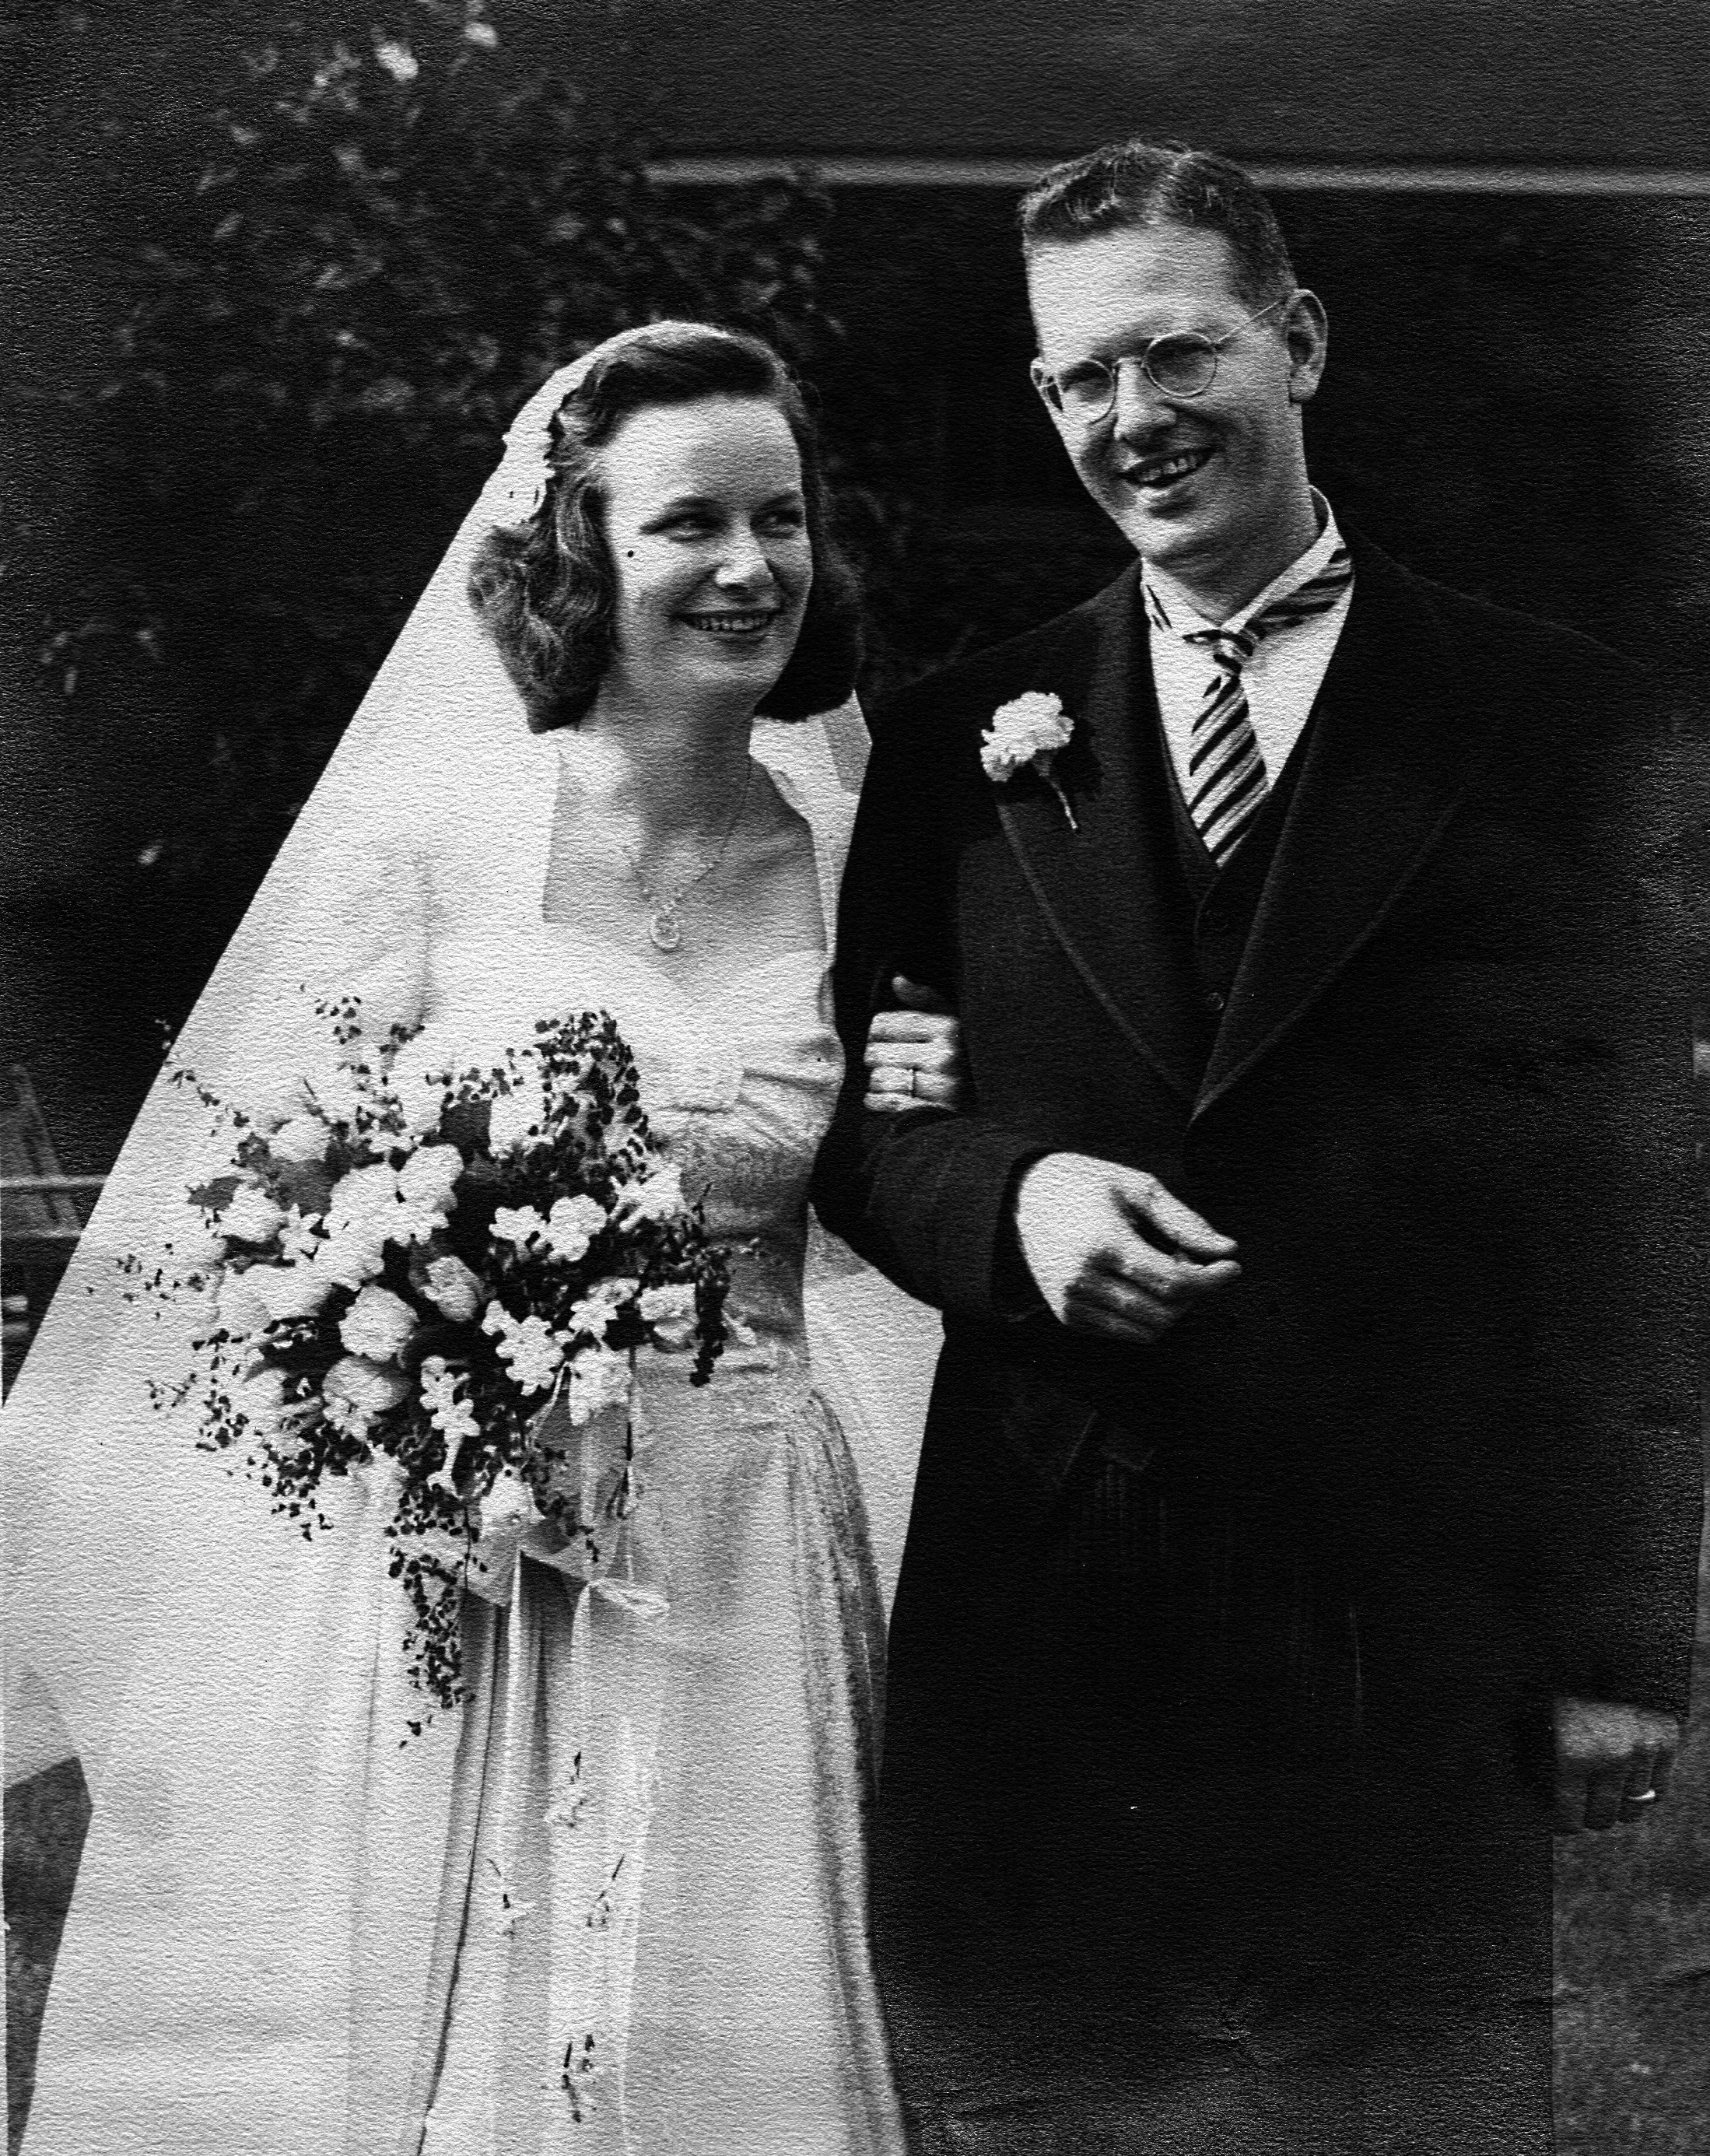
{"x": 1571, "y": 82}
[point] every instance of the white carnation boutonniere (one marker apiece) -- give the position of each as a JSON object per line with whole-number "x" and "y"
{"x": 1029, "y": 731}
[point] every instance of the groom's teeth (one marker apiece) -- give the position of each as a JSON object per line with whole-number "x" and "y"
{"x": 1171, "y": 469}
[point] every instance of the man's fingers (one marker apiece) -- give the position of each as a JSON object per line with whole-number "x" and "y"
{"x": 1114, "y": 1239}
{"x": 1116, "y": 1308}
{"x": 1172, "y": 1281}
{"x": 1152, "y": 1206}
{"x": 1114, "y": 1295}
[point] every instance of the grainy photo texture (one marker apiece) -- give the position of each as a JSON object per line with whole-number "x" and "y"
{"x": 854, "y": 897}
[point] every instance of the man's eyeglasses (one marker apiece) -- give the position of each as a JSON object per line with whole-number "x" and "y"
{"x": 1181, "y": 365}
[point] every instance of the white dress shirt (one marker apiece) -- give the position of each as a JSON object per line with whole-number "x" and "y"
{"x": 1281, "y": 678}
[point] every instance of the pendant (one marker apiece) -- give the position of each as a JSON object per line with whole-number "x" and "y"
{"x": 665, "y": 931}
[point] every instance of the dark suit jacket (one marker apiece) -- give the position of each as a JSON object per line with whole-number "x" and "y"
{"x": 1445, "y": 1114}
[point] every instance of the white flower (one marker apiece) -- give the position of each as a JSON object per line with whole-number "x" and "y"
{"x": 518, "y": 1224}
{"x": 241, "y": 1309}
{"x": 251, "y": 1216}
{"x": 301, "y": 1140}
{"x": 572, "y": 1225}
{"x": 430, "y": 1177}
{"x": 365, "y": 1388}
{"x": 399, "y": 62}
{"x": 197, "y": 1244}
{"x": 453, "y": 1289}
{"x": 261, "y": 1398}
{"x": 346, "y": 1415}
{"x": 351, "y": 1256}
{"x": 598, "y": 1379}
{"x": 453, "y": 1417}
{"x": 671, "y": 1312}
{"x": 1029, "y": 730}
{"x": 296, "y": 1291}
{"x": 597, "y": 1309}
{"x": 1032, "y": 726}
{"x": 518, "y": 1121}
{"x": 481, "y": 34}
{"x": 414, "y": 1223}
{"x": 365, "y": 1211}
{"x": 656, "y": 1197}
{"x": 297, "y": 1235}
{"x": 378, "y": 1324}
{"x": 365, "y": 1198}
{"x": 528, "y": 1345}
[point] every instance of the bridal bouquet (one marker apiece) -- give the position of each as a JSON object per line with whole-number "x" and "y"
{"x": 448, "y": 1269}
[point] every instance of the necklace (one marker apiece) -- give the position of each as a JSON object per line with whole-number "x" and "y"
{"x": 664, "y": 926}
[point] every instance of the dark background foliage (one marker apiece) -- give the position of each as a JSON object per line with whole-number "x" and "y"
{"x": 248, "y": 433}
{"x": 303, "y": 369}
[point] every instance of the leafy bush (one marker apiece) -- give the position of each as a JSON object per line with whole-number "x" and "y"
{"x": 396, "y": 235}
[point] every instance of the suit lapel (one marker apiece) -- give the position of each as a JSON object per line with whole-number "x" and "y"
{"x": 1396, "y": 743}
{"x": 1102, "y": 888}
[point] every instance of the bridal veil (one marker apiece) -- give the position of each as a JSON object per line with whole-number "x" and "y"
{"x": 153, "y": 1605}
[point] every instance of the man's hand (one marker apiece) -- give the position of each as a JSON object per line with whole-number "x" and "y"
{"x": 1612, "y": 1761}
{"x": 914, "y": 1055}
{"x": 1111, "y": 1252}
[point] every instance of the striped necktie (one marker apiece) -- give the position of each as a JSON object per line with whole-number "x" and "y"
{"x": 1226, "y": 782}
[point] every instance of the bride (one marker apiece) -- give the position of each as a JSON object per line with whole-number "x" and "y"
{"x": 616, "y": 1903}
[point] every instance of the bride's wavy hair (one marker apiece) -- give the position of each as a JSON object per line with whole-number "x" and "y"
{"x": 545, "y": 590}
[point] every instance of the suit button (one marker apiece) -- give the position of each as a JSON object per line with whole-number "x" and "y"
{"x": 1215, "y": 1002}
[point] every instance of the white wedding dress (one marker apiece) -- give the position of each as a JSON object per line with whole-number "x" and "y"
{"x": 617, "y": 1902}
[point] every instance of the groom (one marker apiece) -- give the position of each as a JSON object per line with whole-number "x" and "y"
{"x": 1308, "y": 1505}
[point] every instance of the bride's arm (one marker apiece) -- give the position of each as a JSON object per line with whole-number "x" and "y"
{"x": 925, "y": 1197}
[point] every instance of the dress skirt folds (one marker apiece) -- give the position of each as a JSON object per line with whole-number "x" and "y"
{"x": 654, "y": 1923}
{"x": 616, "y": 1902}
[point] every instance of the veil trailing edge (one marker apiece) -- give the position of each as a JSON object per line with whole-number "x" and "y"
{"x": 108, "y": 1513}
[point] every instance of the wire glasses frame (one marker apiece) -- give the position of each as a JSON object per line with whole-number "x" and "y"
{"x": 1183, "y": 364}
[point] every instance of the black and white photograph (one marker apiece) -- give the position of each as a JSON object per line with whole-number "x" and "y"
{"x": 856, "y": 909}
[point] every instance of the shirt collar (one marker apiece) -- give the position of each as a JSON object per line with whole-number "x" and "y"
{"x": 1168, "y": 606}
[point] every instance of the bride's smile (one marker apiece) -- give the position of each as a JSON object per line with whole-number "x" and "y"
{"x": 707, "y": 528}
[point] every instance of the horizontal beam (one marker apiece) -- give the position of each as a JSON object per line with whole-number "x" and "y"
{"x": 945, "y": 172}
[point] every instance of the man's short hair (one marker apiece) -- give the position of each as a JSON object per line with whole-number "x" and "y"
{"x": 1131, "y": 185}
